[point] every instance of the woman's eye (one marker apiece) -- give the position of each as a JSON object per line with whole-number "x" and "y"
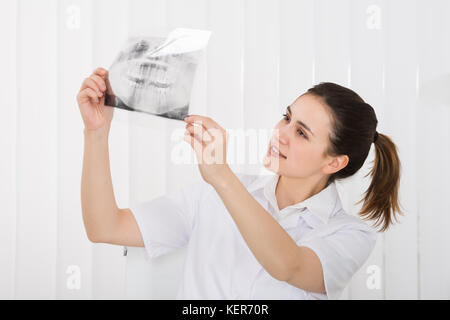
{"x": 300, "y": 132}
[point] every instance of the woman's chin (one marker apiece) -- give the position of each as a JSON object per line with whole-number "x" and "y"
{"x": 271, "y": 163}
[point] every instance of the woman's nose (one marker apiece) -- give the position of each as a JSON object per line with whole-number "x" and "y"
{"x": 281, "y": 135}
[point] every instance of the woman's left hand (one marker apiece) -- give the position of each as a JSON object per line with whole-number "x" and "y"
{"x": 209, "y": 141}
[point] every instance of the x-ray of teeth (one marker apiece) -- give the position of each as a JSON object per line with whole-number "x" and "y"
{"x": 155, "y": 75}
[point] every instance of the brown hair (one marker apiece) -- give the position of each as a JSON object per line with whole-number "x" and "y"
{"x": 354, "y": 131}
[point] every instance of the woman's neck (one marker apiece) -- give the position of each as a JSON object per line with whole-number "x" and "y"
{"x": 290, "y": 191}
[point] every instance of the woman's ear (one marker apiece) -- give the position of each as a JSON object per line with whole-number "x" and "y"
{"x": 336, "y": 164}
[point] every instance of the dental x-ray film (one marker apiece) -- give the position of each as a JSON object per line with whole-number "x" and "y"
{"x": 155, "y": 75}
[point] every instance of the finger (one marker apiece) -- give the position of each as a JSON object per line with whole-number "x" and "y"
{"x": 101, "y": 72}
{"x": 100, "y": 82}
{"x": 108, "y": 86}
{"x": 92, "y": 95}
{"x": 89, "y": 83}
{"x": 195, "y": 144}
{"x": 87, "y": 94}
{"x": 206, "y": 153}
{"x": 208, "y": 129}
{"x": 207, "y": 122}
{"x": 199, "y": 132}
{"x": 212, "y": 134}
{"x": 218, "y": 135}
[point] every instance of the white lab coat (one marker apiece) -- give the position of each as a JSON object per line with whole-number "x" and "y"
{"x": 219, "y": 264}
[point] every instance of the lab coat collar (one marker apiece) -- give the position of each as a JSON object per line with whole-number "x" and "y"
{"x": 322, "y": 205}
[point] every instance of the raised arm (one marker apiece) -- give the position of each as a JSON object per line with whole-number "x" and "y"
{"x": 103, "y": 220}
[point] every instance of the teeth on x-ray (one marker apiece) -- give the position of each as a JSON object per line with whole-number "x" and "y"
{"x": 155, "y": 75}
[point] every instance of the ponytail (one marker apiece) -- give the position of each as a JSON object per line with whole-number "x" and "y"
{"x": 353, "y": 132}
{"x": 381, "y": 198}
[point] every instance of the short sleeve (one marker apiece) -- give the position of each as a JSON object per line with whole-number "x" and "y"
{"x": 342, "y": 253}
{"x": 166, "y": 222}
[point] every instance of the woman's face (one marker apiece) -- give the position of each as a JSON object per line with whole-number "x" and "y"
{"x": 302, "y": 144}
{"x": 154, "y": 84}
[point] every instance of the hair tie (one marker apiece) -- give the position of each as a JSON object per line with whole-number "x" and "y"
{"x": 376, "y": 137}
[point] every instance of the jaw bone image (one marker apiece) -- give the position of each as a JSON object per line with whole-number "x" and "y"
{"x": 154, "y": 75}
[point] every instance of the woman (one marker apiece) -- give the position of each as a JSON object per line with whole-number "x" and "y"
{"x": 284, "y": 236}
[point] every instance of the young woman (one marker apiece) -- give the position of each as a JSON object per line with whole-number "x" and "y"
{"x": 282, "y": 236}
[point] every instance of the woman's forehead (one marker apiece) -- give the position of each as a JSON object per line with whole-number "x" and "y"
{"x": 312, "y": 111}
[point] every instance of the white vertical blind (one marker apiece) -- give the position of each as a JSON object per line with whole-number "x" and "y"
{"x": 36, "y": 143}
{"x": 147, "y": 171}
{"x": 108, "y": 37}
{"x": 331, "y": 25}
{"x": 74, "y": 253}
{"x": 261, "y": 64}
{"x": 401, "y": 67}
{"x": 366, "y": 78}
{"x": 8, "y": 145}
{"x": 433, "y": 149}
{"x": 225, "y": 76}
{"x": 262, "y": 55}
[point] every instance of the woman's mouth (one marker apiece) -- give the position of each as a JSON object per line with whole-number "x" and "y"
{"x": 274, "y": 152}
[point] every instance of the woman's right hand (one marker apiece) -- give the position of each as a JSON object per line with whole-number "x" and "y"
{"x": 91, "y": 101}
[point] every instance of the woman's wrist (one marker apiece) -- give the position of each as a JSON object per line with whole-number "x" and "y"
{"x": 97, "y": 133}
{"x": 223, "y": 178}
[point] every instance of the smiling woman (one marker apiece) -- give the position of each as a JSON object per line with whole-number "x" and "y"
{"x": 282, "y": 236}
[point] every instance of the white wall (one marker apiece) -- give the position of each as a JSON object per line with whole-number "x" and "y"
{"x": 262, "y": 55}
